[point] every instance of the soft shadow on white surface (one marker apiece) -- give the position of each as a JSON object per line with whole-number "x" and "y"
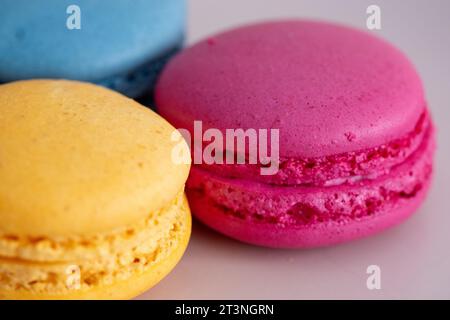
{"x": 215, "y": 267}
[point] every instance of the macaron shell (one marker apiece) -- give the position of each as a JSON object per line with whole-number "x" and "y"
{"x": 329, "y": 89}
{"x": 81, "y": 159}
{"x": 120, "y": 247}
{"x": 302, "y": 217}
{"x": 315, "y": 236}
{"x": 122, "y": 289}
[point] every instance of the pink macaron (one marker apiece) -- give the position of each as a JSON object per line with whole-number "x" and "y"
{"x": 356, "y": 140}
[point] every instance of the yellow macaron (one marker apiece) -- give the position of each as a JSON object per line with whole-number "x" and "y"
{"x": 92, "y": 203}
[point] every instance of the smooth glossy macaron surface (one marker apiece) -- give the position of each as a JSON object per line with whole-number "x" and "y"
{"x": 79, "y": 159}
{"x": 331, "y": 89}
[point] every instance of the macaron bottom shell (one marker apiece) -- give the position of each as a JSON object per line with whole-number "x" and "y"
{"x": 302, "y": 216}
{"x": 272, "y": 236}
{"x": 121, "y": 288}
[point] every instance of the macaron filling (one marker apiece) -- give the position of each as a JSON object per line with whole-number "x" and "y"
{"x": 352, "y": 198}
{"x": 44, "y": 265}
{"x": 333, "y": 169}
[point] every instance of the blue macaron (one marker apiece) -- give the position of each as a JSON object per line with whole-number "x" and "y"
{"x": 119, "y": 44}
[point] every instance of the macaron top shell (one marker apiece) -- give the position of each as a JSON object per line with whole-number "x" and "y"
{"x": 114, "y": 37}
{"x": 78, "y": 159}
{"x": 328, "y": 88}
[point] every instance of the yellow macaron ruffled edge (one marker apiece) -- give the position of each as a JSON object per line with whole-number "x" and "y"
{"x": 142, "y": 273}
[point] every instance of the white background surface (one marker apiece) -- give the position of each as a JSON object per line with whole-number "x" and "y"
{"x": 414, "y": 257}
